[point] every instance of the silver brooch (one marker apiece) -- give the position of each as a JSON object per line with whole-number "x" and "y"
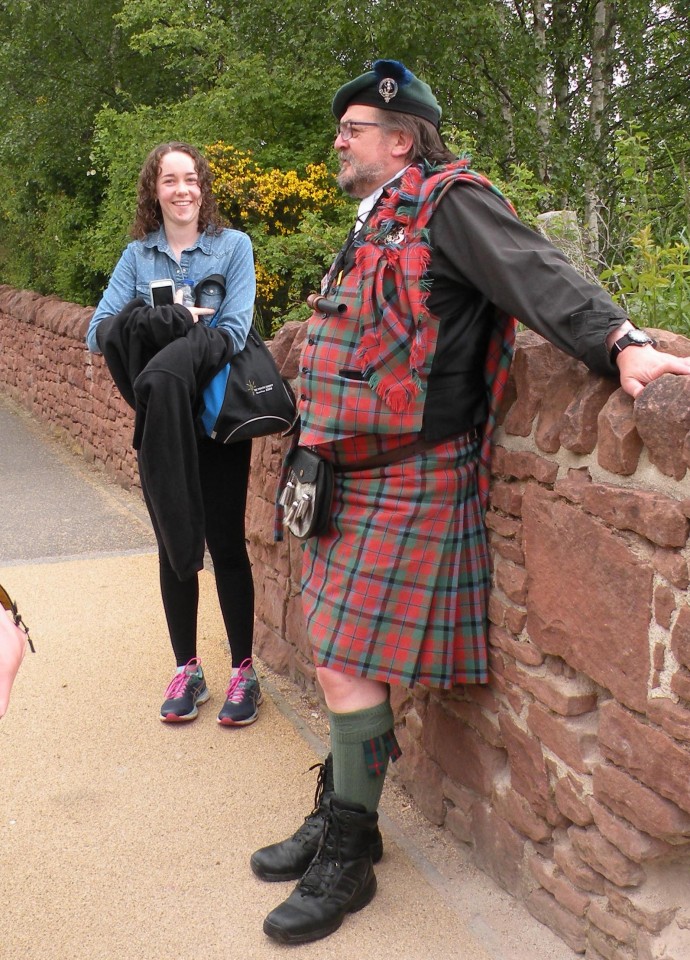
{"x": 388, "y": 88}
{"x": 396, "y": 237}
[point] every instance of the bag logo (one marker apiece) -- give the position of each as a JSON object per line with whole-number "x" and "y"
{"x": 258, "y": 390}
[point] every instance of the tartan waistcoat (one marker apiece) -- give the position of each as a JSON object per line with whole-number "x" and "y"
{"x": 365, "y": 371}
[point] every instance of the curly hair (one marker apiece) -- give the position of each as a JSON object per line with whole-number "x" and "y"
{"x": 148, "y": 215}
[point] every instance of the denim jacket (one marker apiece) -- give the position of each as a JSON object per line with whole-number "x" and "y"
{"x": 228, "y": 253}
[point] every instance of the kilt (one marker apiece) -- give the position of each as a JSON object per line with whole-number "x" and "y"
{"x": 397, "y": 589}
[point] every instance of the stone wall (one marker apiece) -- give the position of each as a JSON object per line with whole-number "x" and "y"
{"x": 569, "y": 774}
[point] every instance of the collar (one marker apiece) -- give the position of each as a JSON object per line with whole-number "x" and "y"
{"x": 157, "y": 238}
{"x": 368, "y": 203}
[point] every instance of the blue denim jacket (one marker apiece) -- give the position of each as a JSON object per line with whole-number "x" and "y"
{"x": 228, "y": 253}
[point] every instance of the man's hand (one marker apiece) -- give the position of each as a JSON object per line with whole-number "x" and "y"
{"x": 638, "y": 366}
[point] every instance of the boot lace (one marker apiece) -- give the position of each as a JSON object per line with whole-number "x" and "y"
{"x": 321, "y": 870}
{"x": 320, "y": 785}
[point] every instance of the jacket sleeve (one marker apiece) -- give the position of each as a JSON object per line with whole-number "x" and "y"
{"x": 522, "y": 273}
{"x": 134, "y": 335}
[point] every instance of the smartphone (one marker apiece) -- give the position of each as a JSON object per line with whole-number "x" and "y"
{"x": 162, "y": 292}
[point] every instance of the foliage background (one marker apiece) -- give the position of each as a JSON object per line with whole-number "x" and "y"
{"x": 577, "y": 105}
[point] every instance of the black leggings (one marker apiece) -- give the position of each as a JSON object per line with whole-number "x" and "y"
{"x": 224, "y": 474}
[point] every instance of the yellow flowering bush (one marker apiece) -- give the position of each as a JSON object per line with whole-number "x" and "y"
{"x": 292, "y": 219}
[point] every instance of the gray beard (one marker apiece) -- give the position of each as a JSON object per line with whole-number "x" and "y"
{"x": 360, "y": 179}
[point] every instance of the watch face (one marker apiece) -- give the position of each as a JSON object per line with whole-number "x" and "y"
{"x": 638, "y": 336}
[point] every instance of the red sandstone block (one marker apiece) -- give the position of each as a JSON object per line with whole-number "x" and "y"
{"x": 482, "y": 694}
{"x": 512, "y": 580}
{"x": 579, "y": 429}
{"x": 574, "y": 485}
{"x": 592, "y": 632}
{"x": 566, "y": 697}
{"x": 662, "y": 418}
{"x": 473, "y": 716}
{"x": 272, "y": 648}
{"x": 570, "y": 800}
{"x": 606, "y": 859}
{"x": 551, "y": 878}
{"x": 499, "y": 849}
{"x": 634, "y": 844}
{"x": 572, "y": 739}
{"x": 518, "y": 812}
{"x": 673, "y": 717}
{"x": 640, "y": 805}
{"x": 577, "y": 871}
{"x": 533, "y": 367}
{"x": 504, "y": 526}
{"x": 599, "y": 945}
{"x": 548, "y": 911}
{"x": 646, "y": 752}
{"x": 664, "y": 605}
{"x": 460, "y": 825}
{"x": 522, "y": 650}
{"x": 524, "y": 465}
{"x": 680, "y": 684}
{"x": 680, "y": 636}
{"x": 508, "y": 549}
{"x": 506, "y": 497}
{"x": 611, "y": 924}
{"x": 653, "y": 515}
{"x": 423, "y": 779}
{"x": 563, "y": 389}
{"x": 619, "y": 445}
{"x": 464, "y": 756}
{"x": 460, "y": 797}
{"x": 652, "y": 911}
{"x": 528, "y": 773}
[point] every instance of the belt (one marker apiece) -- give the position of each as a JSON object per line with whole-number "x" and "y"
{"x": 405, "y": 452}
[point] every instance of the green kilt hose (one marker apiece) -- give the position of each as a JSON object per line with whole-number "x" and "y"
{"x": 397, "y": 589}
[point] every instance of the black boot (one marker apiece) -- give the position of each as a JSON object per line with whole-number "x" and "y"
{"x": 289, "y": 859}
{"x": 339, "y": 880}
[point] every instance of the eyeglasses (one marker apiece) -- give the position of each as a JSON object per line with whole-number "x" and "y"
{"x": 344, "y": 129}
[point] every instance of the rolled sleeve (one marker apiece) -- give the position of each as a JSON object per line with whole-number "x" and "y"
{"x": 121, "y": 289}
{"x": 237, "y": 309}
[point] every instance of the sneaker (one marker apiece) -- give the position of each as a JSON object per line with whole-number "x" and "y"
{"x": 186, "y": 689}
{"x": 243, "y": 698}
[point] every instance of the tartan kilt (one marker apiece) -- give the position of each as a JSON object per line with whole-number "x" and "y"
{"x": 397, "y": 589}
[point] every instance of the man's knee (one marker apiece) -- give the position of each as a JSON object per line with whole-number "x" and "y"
{"x": 345, "y": 693}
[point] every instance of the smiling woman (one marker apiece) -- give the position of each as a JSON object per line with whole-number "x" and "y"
{"x": 160, "y": 357}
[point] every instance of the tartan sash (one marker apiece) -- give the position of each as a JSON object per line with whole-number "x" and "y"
{"x": 390, "y": 334}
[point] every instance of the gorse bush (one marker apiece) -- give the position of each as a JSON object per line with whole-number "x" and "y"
{"x": 295, "y": 223}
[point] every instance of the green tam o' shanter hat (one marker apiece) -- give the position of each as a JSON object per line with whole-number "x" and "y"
{"x": 389, "y": 86}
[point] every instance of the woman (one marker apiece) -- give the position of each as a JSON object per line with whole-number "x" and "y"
{"x": 178, "y": 236}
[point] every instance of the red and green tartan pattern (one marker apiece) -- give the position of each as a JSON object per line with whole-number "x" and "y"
{"x": 379, "y": 750}
{"x": 388, "y": 333}
{"x": 397, "y": 590}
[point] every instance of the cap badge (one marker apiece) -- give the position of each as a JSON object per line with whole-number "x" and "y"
{"x": 388, "y": 88}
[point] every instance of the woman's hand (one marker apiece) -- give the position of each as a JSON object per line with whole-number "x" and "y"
{"x": 196, "y": 312}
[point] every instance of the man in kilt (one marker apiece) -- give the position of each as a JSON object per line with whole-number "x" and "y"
{"x": 400, "y": 393}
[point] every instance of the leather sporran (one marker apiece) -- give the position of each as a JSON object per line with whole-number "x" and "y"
{"x": 307, "y": 495}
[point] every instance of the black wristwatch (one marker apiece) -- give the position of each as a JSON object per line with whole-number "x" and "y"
{"x": 633, "y": 338}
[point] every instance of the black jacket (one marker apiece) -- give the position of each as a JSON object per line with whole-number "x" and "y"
{"x": 161, "y": 361}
